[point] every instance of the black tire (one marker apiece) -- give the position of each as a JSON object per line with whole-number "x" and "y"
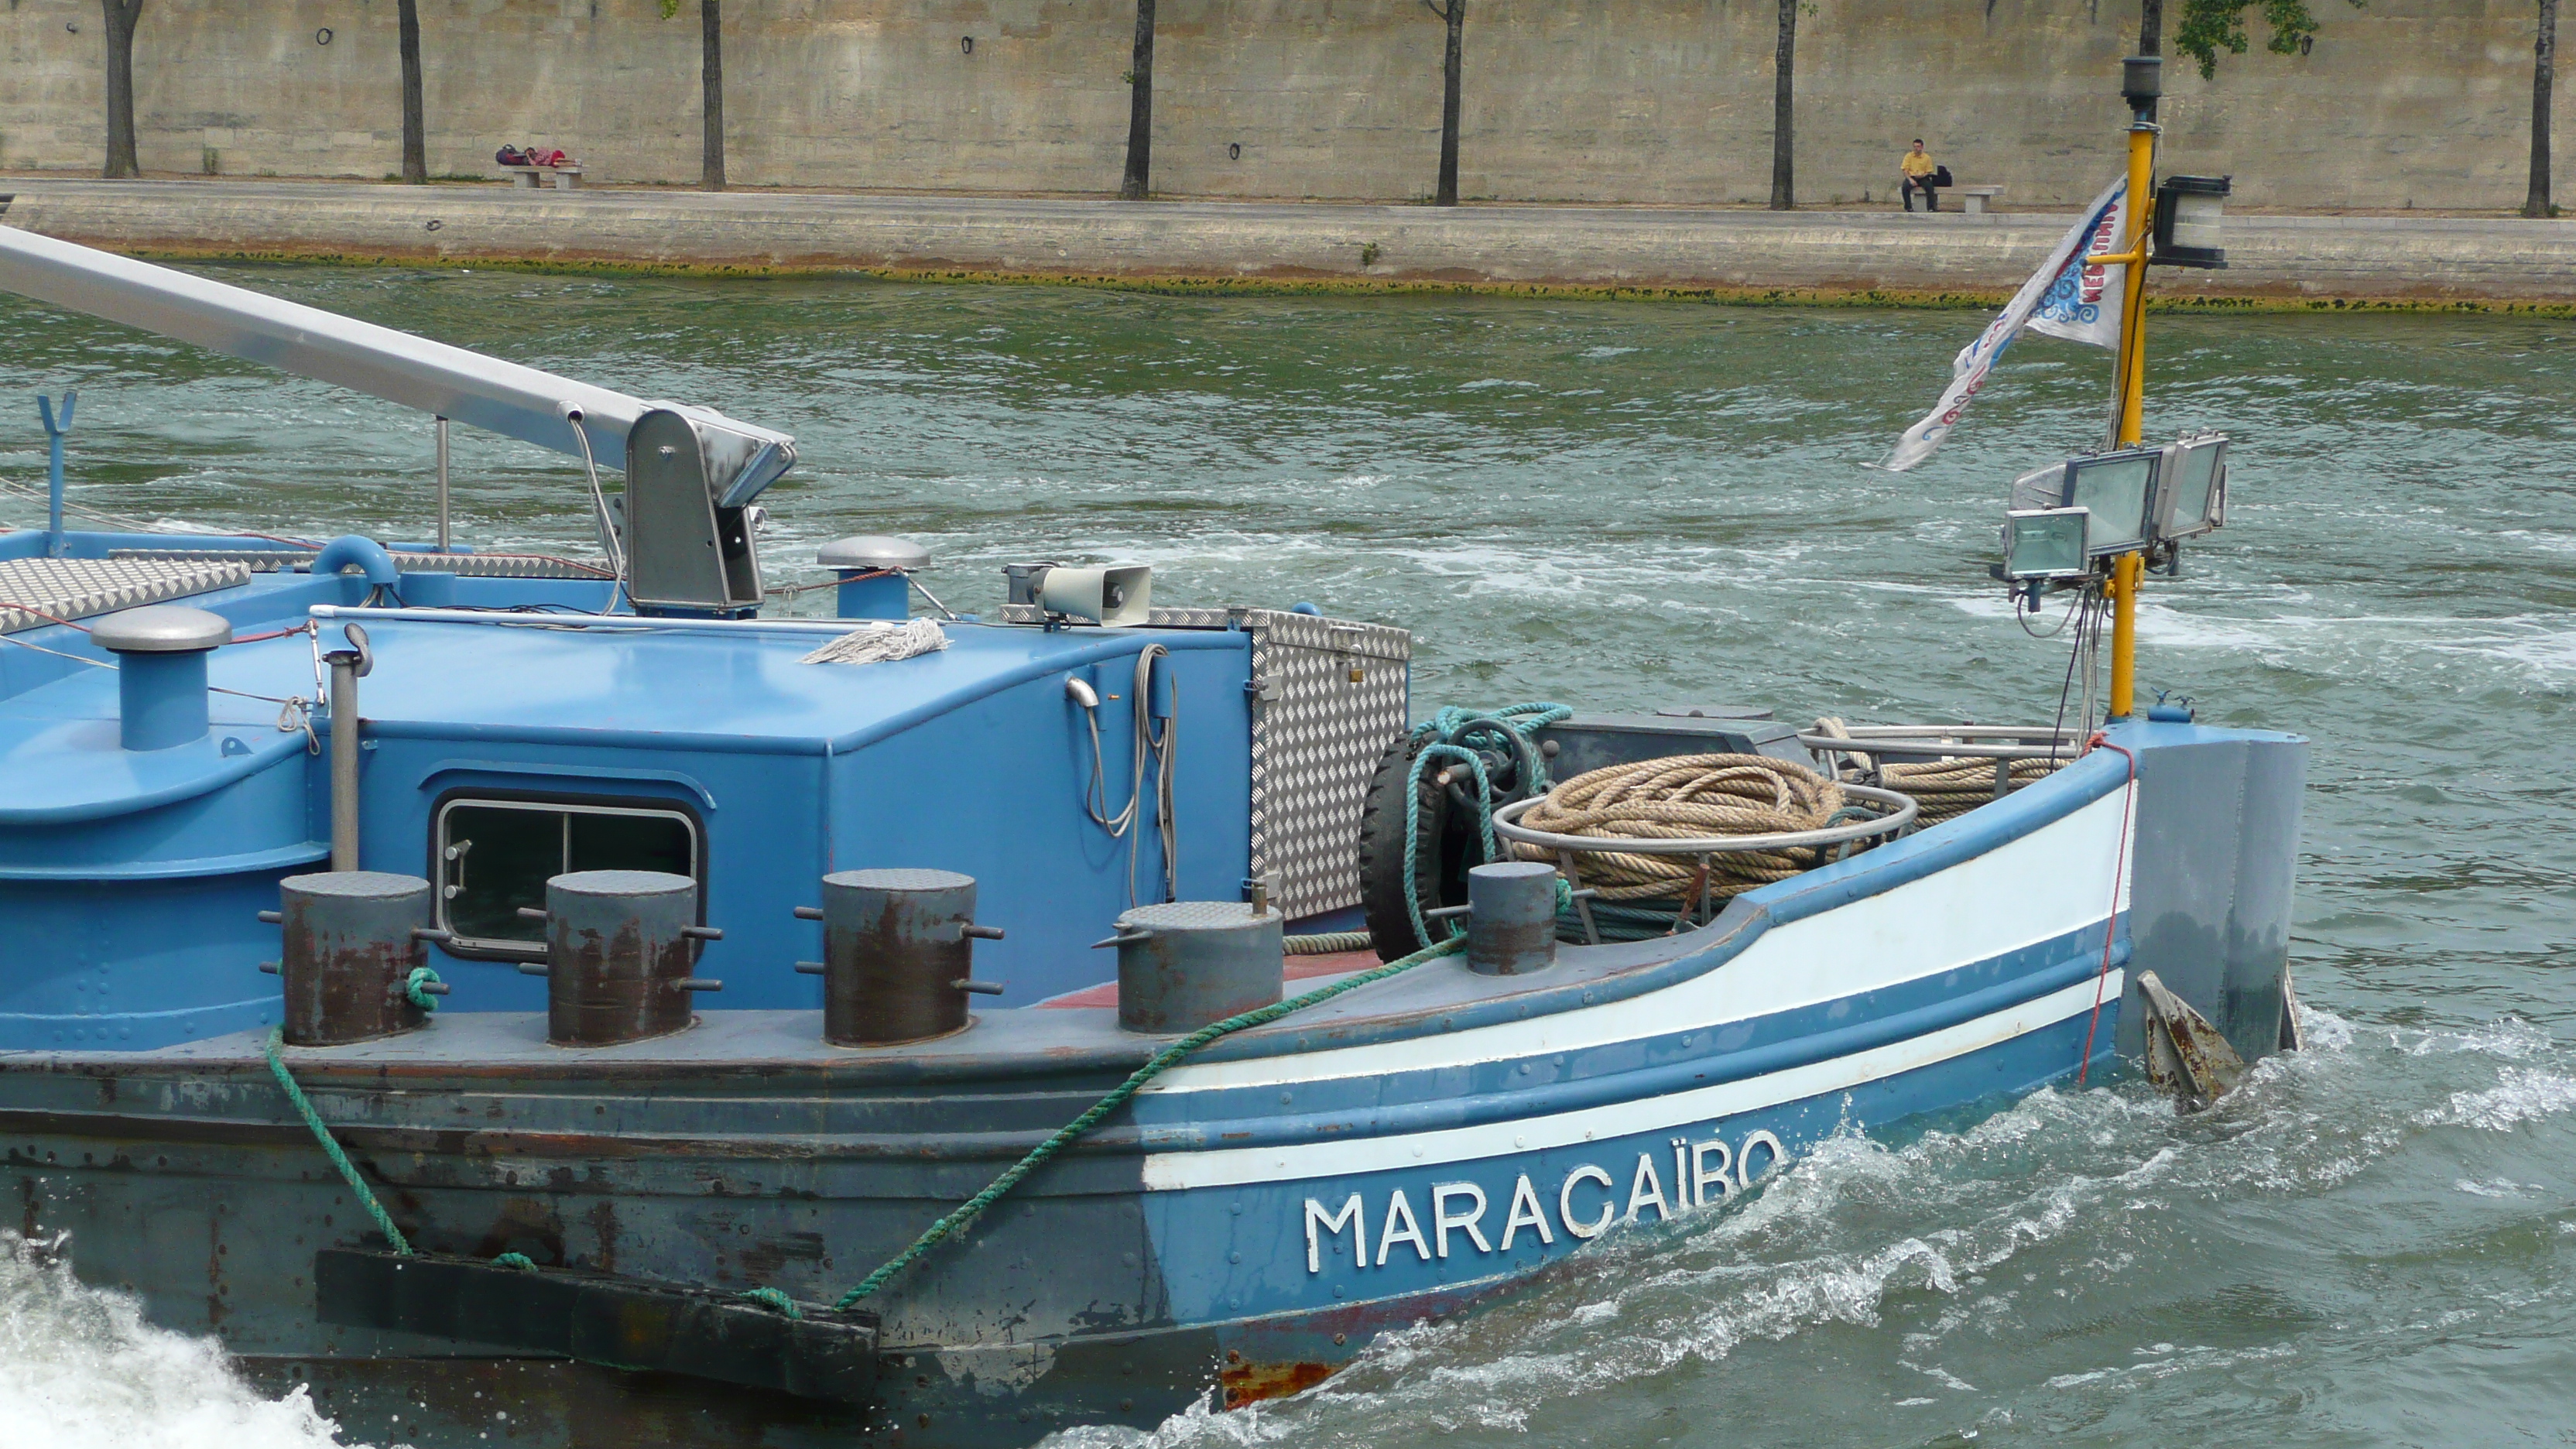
{"x": 1439, "y": 867}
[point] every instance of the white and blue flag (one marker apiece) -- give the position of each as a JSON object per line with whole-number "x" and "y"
{"x": 2064, "y": 298}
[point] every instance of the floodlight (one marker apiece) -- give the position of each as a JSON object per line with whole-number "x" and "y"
{"x": 2046, "y": 543}
{"x": 2191, "y": 492}
{"x": 2188, "y": 209}
{"x": 2119, "y": 487}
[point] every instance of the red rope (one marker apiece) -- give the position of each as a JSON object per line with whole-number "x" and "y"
{"x": 2119, "y": 873}
{"x": 593, "y": 570}
{"x": 304, "y": 628}
{"x": 41, "y": 614}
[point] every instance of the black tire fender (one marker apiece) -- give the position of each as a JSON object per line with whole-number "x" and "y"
{"x": 1438, "y": 866}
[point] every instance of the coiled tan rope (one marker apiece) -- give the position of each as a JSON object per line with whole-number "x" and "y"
{"x": 1943, "y": 789}
{"x": 1687, "y": 797}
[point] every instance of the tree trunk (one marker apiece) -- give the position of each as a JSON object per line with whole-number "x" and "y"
{"x": 1784, "y": 190}
{"x": 415, "y": 128}
{"x": 1138, "y": 181}
{"x": 2544, "y": 64}
{"x": 2151, "y": 27}
{"x": 121, "y": 17}
{"x": 1456, "y": 15}
{"x": 711, "y": 173}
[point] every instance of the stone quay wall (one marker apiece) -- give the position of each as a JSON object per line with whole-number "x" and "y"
{"x": 2403, "y": 103}
{"x": 1719, "y": 253}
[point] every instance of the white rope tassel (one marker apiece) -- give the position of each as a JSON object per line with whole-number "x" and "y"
{"x": 880, "y": 643}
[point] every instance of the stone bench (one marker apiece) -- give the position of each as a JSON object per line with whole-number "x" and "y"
{"x": 528, "y": 176}
{"x": 1974, "y": 200}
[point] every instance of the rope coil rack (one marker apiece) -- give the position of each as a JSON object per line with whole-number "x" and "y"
{"x": 1661, "y": 844}
{"x": 1949, "y": 770}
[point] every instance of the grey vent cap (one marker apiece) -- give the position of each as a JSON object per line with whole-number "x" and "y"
{"x": 161, "y": 629}
{"x": 873, "y": 551}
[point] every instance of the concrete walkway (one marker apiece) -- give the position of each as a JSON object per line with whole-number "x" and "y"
{"x": 2415, "y": 260}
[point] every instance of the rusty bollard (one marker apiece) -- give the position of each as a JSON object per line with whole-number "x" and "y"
{"x": 898, "y": 955}
{"x": 352, "y": 940}
{"x": 1511, "y": 918}
{"x": 620, "y": 945}
{"x": 1185, "y": 964}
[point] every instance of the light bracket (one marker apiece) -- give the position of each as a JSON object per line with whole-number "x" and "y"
{"x": 2188, "y": 211}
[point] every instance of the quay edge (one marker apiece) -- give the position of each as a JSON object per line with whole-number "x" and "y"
{"x": 1878, "y": 257}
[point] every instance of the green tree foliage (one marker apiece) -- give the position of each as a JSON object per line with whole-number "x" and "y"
{"x": 2210, "y": 26}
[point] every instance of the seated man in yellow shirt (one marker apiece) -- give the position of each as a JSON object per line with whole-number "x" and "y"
{"x": 1919, "y": 169}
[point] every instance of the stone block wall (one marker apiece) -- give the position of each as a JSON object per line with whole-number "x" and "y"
{"x": 2419, "y": 103}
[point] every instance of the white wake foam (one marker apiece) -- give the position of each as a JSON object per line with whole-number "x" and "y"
{"x": 80, "y": 1369}
{"x": 2035, "y": 1202}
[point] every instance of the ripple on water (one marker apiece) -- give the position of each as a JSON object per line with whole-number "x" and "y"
{"x": 2060, "y": 1264}
{"x": 2374, "y": 1245}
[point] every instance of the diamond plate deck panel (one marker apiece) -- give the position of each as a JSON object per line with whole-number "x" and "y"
{"x": 76, "y": 588}
{"x": 473, "y": 565}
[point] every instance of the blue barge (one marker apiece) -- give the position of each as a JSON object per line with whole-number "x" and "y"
{"x": 398, "y": 1186}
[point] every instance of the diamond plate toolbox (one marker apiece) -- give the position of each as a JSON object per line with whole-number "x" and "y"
{"x": 1328, "y": 696}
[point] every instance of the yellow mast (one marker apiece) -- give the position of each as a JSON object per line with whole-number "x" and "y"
{"x": 2140, "y": 85}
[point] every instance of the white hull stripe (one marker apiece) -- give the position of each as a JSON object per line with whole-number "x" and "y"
{"x": 1173, "y": 1171}
{"x": 2055, "y": 880}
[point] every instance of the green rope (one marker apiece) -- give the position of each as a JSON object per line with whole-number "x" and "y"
{"x": 1451, "y": 734}
{"x": 1162, "y": 1062}
{"x": 774, "y": 1301}
{"x": 521, "y": 1262}
{"x": 330, "y": 1147}
{"x": 1327, "y": 943}
{"x": 421, "y": 976}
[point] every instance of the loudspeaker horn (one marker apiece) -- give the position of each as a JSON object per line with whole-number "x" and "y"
{"x": 1118, "y": 595}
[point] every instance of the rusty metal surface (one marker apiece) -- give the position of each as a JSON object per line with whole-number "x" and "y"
{"x": 983, "y": 1398}
{"x": 617, "y": 956}
{"x": 199, "y": 1191}
{"x": 350, "y": 947}
{"x": 817, "y": 1352}
{"x": 1511, "y": 918}
{"x": 1185, "y": 964}
{"x": 787, "y": 1047}
{"x": 1250, "y": 1383}
{"x": 894, "y": 945}
{"x": 2186, "y": 1056}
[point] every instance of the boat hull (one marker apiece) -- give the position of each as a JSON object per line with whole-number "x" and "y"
{"x": 1244, "y": 1228}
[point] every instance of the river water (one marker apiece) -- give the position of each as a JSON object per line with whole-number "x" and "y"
{"x": 1626, "y": 506}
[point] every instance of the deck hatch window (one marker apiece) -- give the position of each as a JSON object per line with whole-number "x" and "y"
{"x": 495, "y": 856}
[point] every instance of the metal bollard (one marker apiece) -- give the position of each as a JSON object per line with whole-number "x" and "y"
{"x": 619, "y": 947}
{"x": 352, "y": 940}
{"x": 161, "y": 654}
{"x": 1511, "y": 918}
{"x": 898, "y": 955}
{"x": 1188, "y": 963}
